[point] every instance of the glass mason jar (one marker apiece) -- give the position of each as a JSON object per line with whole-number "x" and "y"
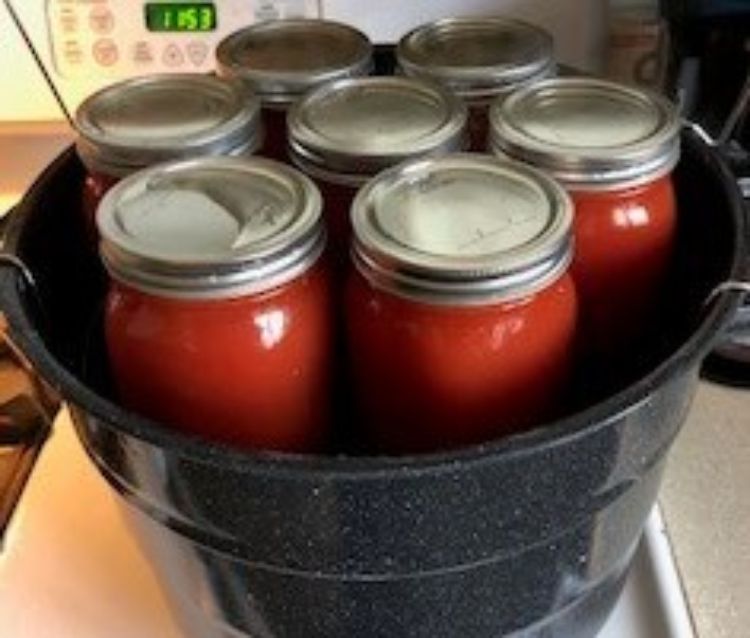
{"x": 461, "y": 316}
{"x": 344, "y": 132}
{"x": 218, "y": 320}
{"x": 479, "y": 59}
{"x": 136, "y": 123}
{"x": 613, "y": 147}
{"x": 282, "y": 59}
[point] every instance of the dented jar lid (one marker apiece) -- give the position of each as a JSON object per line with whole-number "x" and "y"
{"x": 282, "y": 59}
{"x": 211, "y": 227}
{"x": 462, "y": 229}
{"x": 142, "y": 121}
{"x": 348, "y": 130}
{"x": 478, "y": 57}
{"x": 588, "y": 133}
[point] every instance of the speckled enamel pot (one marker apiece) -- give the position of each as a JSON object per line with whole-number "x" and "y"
{"x": 528, "y": 536}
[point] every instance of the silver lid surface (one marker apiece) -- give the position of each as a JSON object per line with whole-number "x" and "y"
{"x": 282, "y": 59}
{"x": 142, "y": 121}
{"x": 588, "y": 133}
{"x": 350, "y": 129}
{"x": 211, "y": 227}
{"x": 477, "y": 57}
{"x": 462, "y": 230}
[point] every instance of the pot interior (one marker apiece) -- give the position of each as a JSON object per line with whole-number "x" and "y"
{"x": 61, "y": 323}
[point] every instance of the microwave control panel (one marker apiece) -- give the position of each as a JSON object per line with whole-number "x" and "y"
{"x": 122, "y": 38}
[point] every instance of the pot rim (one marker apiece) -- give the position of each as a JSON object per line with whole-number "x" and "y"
{"x": 549, "y": 435}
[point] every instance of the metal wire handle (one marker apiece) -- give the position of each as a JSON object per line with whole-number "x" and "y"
{"x": 15, "y": 262}
{"x": 738, "y": 112}
{"x": 731, "y": 286}
{"x": 731, "y": 124}
{"x": 27, "y": 277}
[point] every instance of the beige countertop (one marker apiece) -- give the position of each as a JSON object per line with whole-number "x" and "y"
{"x": 25, "y": 149}
{"x": 706, "y": 503}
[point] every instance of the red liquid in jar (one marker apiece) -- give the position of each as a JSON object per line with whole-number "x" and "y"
{"x": 252, "y": 371}
{"x": 432, "y": 377}
{"x": 478, "y": 125}
{"x": 275, "y": 140}
{"x": 337, "y": 202}
{"x": 624, "y": 240}
{"x": 95, "y": 187}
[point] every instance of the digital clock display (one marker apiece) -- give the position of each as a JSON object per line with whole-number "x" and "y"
{"x": 188, "y": 17}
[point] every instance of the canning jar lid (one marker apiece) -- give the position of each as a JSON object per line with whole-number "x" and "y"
{"x": 348, "y": 130}
{"x": 477, "y": 57}
{"x": 211, "y": 227}
{"x": 588, "y": 133}
{"x": 282, "y": 59}
{"x": 142, "y": 121}
{"x": 462, "y": 229}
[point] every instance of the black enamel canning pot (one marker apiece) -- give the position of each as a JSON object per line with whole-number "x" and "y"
{"x": 528, "y": 536}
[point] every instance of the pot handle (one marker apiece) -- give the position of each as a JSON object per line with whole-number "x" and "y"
{"x": 27, "y": 409}
{"x": 8, "y": 257}
{"x": 27, "y": 406}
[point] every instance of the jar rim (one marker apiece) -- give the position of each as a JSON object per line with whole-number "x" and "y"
{"x": 332, "y": 133}
{"x": 122, "y": 127}
{"x": 566, "y": 126}
{"x": 512, "y": 239}
{"x": 211, "y": 228}
{"x": 532, "y": 46}
{"x": 278, "y": 87}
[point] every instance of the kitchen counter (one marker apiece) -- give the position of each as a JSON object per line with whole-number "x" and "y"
{"x": 707, "y": 510}
{"x": 25, "y": 149}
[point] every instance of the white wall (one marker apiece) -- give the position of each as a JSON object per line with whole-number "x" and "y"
{"x": 25, "y": 96}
